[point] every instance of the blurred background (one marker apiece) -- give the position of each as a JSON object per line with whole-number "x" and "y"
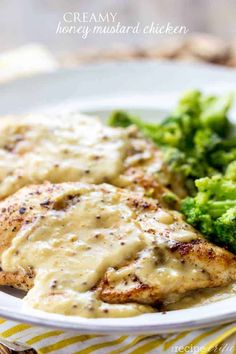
{"x": 211, "y": 33}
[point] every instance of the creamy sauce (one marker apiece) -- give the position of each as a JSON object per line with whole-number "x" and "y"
{"x": 70, "y": 251}
{"x": 58, "y": 149}
{"x": 204, "y": 297}
{"x": 156, "y": 265}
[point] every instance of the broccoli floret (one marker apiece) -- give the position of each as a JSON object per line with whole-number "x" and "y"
{"x": 215, "y": 188}
{"x": 189, "y": 167}
{"x": 198, "y": 112}
{"x": 213, "y": 210}
{"x": 125, "y": 119}
{"x": 214, "y": 113}
{"x": 196, "y": 215}
{"x": 222, "y": 158}
{"x": 231, "y": 171}
{"x": 223, "y": 153}
{"x": 205, "y": 141}
{"x": 120, "y": 119}
{"x": 179, "y": 128}
{"x": 193, "y": 137}
{"x": 225, "y": 228}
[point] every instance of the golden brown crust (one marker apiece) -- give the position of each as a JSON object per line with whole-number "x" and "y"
{"x": 140, "y": 292}
{"x": 216, "y": 261}
{"x": 216, "y": 264}
{"x": 149, "y": 170}
{"x": 18, "y": 280}
{"x": 21, "y": 208}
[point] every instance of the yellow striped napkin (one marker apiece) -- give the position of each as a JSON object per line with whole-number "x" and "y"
{"x": 221, "y": 339}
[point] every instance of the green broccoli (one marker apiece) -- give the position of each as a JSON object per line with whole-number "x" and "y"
{"x": 223, "y": 153}
{"x": 197, "y": 142}
{"x": 230, "y": 172}
{"x": 214, "y": 113}
{"x": 213, "y": 209}
{"x": 225, "y": 228}
{"x": 124, "y": 119}
{"x": 193, "y": 137}
{"x": 121, "y": 119}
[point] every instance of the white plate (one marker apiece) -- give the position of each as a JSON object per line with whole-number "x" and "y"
{"x": 151, "y": 89}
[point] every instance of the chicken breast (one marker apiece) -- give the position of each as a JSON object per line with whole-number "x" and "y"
{"x": 58, "y": 148}
{"x": 66, "y": 148}
{"x": 99, "y": 251}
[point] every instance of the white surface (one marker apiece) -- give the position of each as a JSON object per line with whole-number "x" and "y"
{"x": 150, "y": 89}
{"x": 26, "y": 61}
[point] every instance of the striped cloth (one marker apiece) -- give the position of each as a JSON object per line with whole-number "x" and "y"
{"x": 55, "y": 341}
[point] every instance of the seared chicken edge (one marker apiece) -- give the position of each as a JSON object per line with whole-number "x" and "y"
{"x": 102, "y": 251}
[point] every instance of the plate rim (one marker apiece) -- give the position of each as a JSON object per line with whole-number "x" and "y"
{"x": 119, "y": 329}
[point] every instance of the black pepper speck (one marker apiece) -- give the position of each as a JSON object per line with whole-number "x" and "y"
{"x": 22, "y": 210}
